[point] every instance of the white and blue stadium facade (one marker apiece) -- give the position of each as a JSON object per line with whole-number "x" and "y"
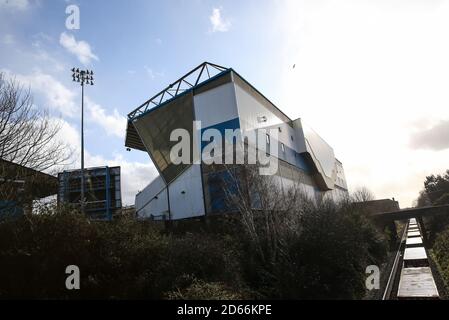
{"x": 220, "y": 98}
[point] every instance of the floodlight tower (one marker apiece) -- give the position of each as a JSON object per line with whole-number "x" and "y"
{"x": 82, "y": 77}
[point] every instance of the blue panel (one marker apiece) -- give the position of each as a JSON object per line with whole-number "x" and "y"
{"x": 222, "y": 126}
{"x": 216, "y": 182}
{"x": 301, "y": 163}
{"x": 290, "y": 155}
{"x": 108, "y": 190}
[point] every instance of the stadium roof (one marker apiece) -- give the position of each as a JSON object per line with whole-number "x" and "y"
{"x": 197, "y": 76}
{"x": 201, "y": 76}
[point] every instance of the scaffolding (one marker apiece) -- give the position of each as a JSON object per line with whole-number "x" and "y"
{"x": 102, "y": 191}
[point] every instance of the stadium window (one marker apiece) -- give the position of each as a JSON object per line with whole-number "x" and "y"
{"x": 268, "y": 139}
{"x": 282, "y": 148}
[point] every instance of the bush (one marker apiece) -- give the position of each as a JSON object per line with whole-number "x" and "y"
{"x": 121, "y": 259}
{"x": 200, "y": 290}
{"x": 116, "y": 259}
{"x": 441, "y": 251}
{"x": 325, "y": 260}
{"x": 322, "y": 253}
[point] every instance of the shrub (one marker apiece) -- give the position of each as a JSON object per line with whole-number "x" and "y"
{"x": 326, "y": 259}
{"x": 311, "y": 251}
{"x": 200, "y": 290}
{"x": 121, "y": 259}
{"x": 441, "y": 251}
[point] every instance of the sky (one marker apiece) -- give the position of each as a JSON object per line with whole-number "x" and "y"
{"x": 371, "y": 77}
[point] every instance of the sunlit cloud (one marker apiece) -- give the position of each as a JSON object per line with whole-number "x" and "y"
{"x": 81, "y": 49}
{"x": 377, "y": 92}
{"x": 113, "y": 123}
{"x": 219, "y": 24}
{"x": 57, "y": 96}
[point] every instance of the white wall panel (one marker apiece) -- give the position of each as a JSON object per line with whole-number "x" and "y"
{"x": 186, "y": 195}
{"x": 299, "y": 136}
{"x": 152, "y": 200}
{"x": 216, "y": 105}
{"x": 321, "y": 150}
{"x": 251, "y": 111}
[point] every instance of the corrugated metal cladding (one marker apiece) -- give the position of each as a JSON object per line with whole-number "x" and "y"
{"x": 132, "y": 138}
{"x": 155, "y": 129}
{"x": 226, "y": 101}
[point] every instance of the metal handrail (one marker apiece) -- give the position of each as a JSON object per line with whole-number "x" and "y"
{"x": 394, "y": 269}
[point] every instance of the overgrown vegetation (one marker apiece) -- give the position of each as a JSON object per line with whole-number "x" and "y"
{"x": 441, "y": 253}
{"x": 279, "y": 244}
{"x": 324, "y": 256}
{"x": 436, "y": 193}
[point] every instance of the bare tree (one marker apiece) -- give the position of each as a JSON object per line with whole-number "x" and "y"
{"x": 28, "y": 139}
{"x": 270, "y": 213}
{"x": 362, "y": 194}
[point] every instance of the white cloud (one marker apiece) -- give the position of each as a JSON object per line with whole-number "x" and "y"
{"x": 68, "y": 133}
{"x": 40, "y": 39}
{"x": 152, "y": 74}
{"x": 42, "y": 57}
{"x": 58, "y": 97}
{"x": 219, "y": 24}
{"x": 149, "y": 72}
{"x": 367, "y": 78}
{"x": 81, "y": 49}
{"x": 434, "y": 138}
{"x": 113, "y": 124}
{"x": 14, "y": 4}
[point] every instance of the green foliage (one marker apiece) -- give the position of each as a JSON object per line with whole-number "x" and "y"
{"x": 441, "y": 251}
{"x": 444, "y": 199}
{"x": 200, "y": 290}
{"x": 436, "y": 186}
{"x": 125, "y": 258}
{"x": 120, "y": 259}
{"x": 435, "y": 193}
{"x": 326, "y": 260}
